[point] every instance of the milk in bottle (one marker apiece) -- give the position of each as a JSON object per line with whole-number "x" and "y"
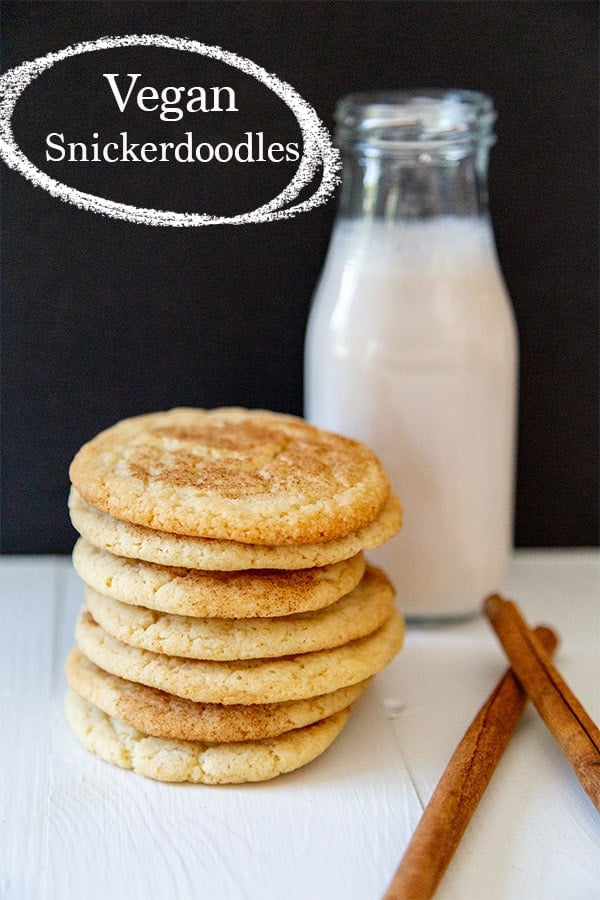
{"x": 411, "y": 343}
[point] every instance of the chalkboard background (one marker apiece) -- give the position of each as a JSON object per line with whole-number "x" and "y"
{"x": 103, "y": 319}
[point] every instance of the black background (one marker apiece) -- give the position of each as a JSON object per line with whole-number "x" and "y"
{"x": 102, "y": 319}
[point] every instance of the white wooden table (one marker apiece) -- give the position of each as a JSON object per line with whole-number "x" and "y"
{"x": 76, "y": 827}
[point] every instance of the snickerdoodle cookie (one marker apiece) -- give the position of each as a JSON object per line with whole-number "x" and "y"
{"x": 126, "y": 539}
{"x": 232, "y": 474}
{"x": 193, "y": 592}
{"x": 160, "y": 714}
{"x": 193, "y": 761}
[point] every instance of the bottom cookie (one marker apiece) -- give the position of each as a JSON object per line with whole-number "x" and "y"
{"x": 198, "y": 762}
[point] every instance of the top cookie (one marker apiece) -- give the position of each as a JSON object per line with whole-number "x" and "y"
{"x": 233, "y": 474}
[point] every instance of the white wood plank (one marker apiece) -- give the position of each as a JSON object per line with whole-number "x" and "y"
{"x": 31, "y": 620}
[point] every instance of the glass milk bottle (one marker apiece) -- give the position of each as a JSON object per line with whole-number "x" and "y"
{"x": 411, "y": 343}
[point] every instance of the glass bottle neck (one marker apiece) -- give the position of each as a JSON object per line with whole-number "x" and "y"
{"x": 396, "y": 186}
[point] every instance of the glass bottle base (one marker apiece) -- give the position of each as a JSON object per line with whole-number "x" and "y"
{"x": 435, "y": 620}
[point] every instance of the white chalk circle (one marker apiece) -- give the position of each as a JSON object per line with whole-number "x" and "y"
{"x": 318, "y": 150}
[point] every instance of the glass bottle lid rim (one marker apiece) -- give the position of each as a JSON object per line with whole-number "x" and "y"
{"x": 429, "y": 114}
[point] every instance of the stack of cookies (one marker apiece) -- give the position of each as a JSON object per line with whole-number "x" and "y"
{"x": 230, "y": 620}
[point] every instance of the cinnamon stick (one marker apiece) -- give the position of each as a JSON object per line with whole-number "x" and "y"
{"x": 460, "y": 788}
{"x": 573, "y": 729}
